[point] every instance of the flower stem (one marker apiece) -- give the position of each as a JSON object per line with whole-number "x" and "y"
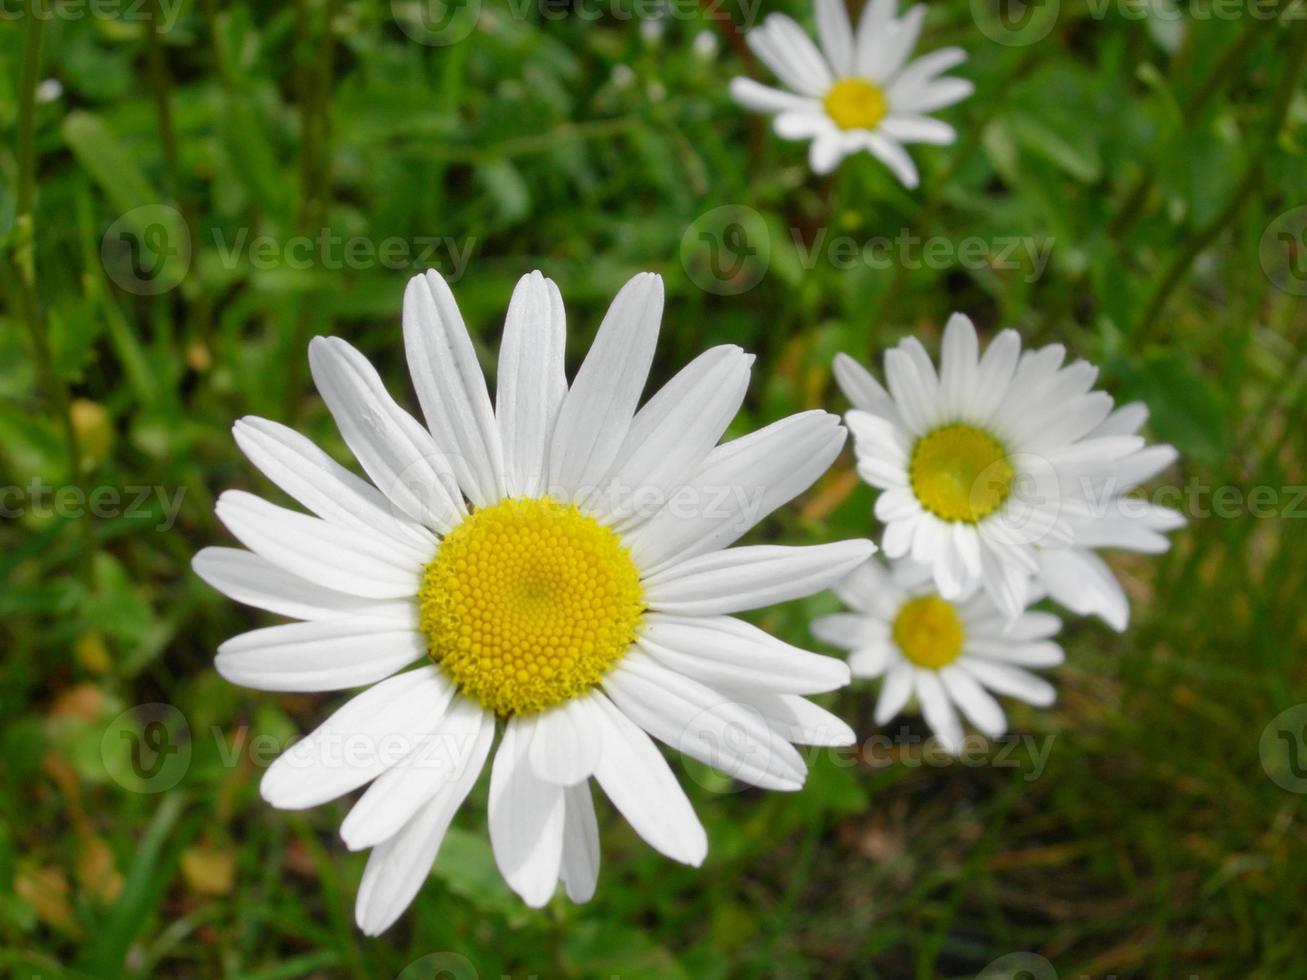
{"x": 22, "y": 286}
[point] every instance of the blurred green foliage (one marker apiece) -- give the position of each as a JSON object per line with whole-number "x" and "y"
{"x": 1148, "y": 159}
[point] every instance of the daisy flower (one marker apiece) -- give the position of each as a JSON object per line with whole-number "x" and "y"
{"x": 859, "y": 91}
{"x": 983, "y": 464}
{"x": 559, "y": 562}
{"x": 949, "y": 653}
{"x": 1109, "y": 517}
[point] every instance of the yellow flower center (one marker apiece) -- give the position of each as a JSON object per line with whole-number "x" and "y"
{"x": 854, "y": 104}
{"x": 528, "y": 603}
{"x": 960, "y": 473}
{"x": 929, "y": 632}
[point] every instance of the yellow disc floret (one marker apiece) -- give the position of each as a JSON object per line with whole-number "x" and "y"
{"x": 929, "y": 632}
{"x": 960, "y": 473}
{"x": 855, "y": 104}
{"x": 528, "y": 603}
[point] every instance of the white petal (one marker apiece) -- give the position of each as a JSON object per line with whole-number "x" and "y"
{"x": 958, "y": 363}
{"x": 976, "y": 703}
{"x": 245, "y": 577}
{"x": 871, "y": 661}
{"x": 849, "y": 631}
{"x": 894, "y": 691}
{"x": 937, "y": 94}
{"x": 565, "y": 741}
{"x": 531, "y": 382}
{"x": 1006, "y": 650}
{"x": 797, "y": 49}
{"x": 1125, "y": 420}
{"x": 447, "y": 759}
{"x": 938, "y": 711}
{"x": 526, "y": 820}
{"x": 910, "y": 128}
{"x": 863, "y": 390}
{"x": 903, "y": 39}
{"x": 892, "y": 154}
{"x": 763, "y": 98}
{"x": 580, "y": 865}
{"x": 912, "y": 393}
{"x": 717, "y": 729}
{"x": 597, "y": 411}
{"x": 751, "y": 577}
{"x": 451, "y": 387}
{"x": 1082, "y": 582}
{"x": 777, "y": 56}
{"x": 808, "y": 122}
{"x": 739, "y": 483}
{"x": 897, "y": 504}
{"x": 994, "y": 375}
{"x": 920, "y": 72}
{"x": 320, "y": 655}
{"x": 640, "y": 784}
{"x": 397, "y": 868}
{"x": 800, "y": 721}
{"x": 336, "y": 557}
{"x": 875, "y": 33}
{"x": 869, "y": 589}
{"x": 722, "y": 651}
{"x": 317, "y": 481}
{"x": 880, "y": 438}
{"x": 1009, "y": 680}
{"x": 366, "y": 736}
{"x": 673, "y": 433}
{"x": 826, "y": 153}
{"x": 899, "y": 536}
{"x": 836, "y": 35}
{"x": 392, "y": 446}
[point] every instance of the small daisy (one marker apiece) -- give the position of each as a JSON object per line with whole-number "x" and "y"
{"x": 946, "y": 652}
{"x": 859, "y": 92}
{"x": 983, "y": 463}
{"x": 560, "y": 561}
{"x": 1109, "y": 517}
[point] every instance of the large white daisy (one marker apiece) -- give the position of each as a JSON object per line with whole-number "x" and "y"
{"x": 859, "y": 91}
{"x": 559, "y": 560}
{"x": 1109, "y": 516}
{"x": 983, "y": 465}
{"x": 948, "y": 653}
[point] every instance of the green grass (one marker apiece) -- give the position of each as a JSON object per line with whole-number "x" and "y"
{"x": 1151, "y": 841}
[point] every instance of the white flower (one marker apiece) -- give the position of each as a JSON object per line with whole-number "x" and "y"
{"x": 859, "y": 92}
{"x": 985, "y": 464}
{"x": 1108, "y": 517}
{"x": 945, "y": 652}
{"x": 562, "y": 562}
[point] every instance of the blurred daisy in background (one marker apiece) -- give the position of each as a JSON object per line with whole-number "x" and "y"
{"x": 950, "y": 654}
{"x": 859, "y": 91}
{"x": 985, "y": 464}
{"x": 1108, "y": 516}
{"x": 561, "y": 560}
